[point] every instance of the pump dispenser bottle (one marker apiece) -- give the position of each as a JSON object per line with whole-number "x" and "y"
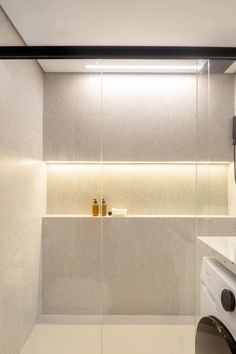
{"x": 95, "y": 208}
{"x": 104, "y": 208}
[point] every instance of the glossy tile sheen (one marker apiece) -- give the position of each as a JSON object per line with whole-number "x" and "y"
{"x": 110, "y": 339}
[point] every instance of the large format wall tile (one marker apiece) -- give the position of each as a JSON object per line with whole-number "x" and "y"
{"x": 216, "y": 226}
{"x": 22, "y": 190}
{"x": 221, "y": 110}
{"x": 72, "y": 117}
{"x": 149, "y": 117}
{"x": 71, "y": 266}
{"x": 138, "y": 117}
{"x": 215, "y": 108}
{"x": 147, "y": 266}
{"x": 124, "y": 266}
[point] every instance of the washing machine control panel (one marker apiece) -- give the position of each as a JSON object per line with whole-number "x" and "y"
{"x": 228, "y": 300}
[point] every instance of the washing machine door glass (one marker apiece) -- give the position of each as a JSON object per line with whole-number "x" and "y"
{"x": 213, "y": 338}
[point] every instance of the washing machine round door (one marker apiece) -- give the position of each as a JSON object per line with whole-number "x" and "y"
{"x": 213, "y": 337}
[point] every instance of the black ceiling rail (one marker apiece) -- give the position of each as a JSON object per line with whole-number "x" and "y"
{"x": 116, "y": 52}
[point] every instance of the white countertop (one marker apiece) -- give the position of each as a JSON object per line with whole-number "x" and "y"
{"x": 223, "y": 248}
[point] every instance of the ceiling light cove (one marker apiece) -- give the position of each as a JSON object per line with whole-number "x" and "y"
{"x": 194, "y": 68}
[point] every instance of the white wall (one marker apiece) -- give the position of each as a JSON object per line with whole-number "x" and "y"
{"x": 22, "y": 193}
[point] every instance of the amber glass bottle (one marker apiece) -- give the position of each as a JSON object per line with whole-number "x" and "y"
{"x": 104, "y": 208}
{"x": 95, "y": 209}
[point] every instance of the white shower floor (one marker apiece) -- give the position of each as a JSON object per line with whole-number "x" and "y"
{"x": 73, "y": 338}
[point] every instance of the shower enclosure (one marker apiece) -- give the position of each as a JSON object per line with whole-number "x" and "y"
{"x": 128, "y": 124}
{"x": 153, "y": 139}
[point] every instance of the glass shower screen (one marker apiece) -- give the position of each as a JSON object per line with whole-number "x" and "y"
{"x": 112, "y": 171}
{"x": 149, "y": 118}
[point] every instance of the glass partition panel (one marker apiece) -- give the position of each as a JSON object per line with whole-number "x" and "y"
{"x": 216, "y": 225}
{"x": 111, "y": 172}
{"x": 148, "y": 186}
{"x": 51, "y": 242}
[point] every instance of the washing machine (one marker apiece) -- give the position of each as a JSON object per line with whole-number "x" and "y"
{"x": 216, "y": 329}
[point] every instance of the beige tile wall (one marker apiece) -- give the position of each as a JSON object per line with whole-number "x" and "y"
{"x": 132, "y": 118}
{"x": 71, "y": 261}
{"x": 216, "y": 226}
{"x": 138, "y": 117}
{"x": 72, "y": 117}
{"x": 215, "y": 108}
{"x": 141, "y": 188}
{"x": 147, "y": 266}
{"x": 83, "y": 110}
{"x": 22, "y": 201}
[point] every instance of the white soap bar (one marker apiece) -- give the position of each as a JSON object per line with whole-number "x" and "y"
{"x": 119, "y": 212}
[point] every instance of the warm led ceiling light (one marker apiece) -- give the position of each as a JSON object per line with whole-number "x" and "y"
{"x": 159, "y": 68}
{"x": 140, "y": 162}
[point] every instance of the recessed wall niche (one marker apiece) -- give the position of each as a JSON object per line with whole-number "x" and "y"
{"x": 135, "y": 118}
{"x": 142, "y": 188}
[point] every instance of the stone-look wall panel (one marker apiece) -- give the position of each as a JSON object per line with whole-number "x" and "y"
{"x": 138, "y": 117}
{"x": 22, "y": 190}
{"x": 147, "y": 267}
{"x": 71, "y": 266}
{"x": 221, "y": 111}
{"x": 147, "y": 264}
{"x": 72, "y": 117}
{"x": 215, "y": 108}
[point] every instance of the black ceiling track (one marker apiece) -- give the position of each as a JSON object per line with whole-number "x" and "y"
{"x": 116, "y": 52}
